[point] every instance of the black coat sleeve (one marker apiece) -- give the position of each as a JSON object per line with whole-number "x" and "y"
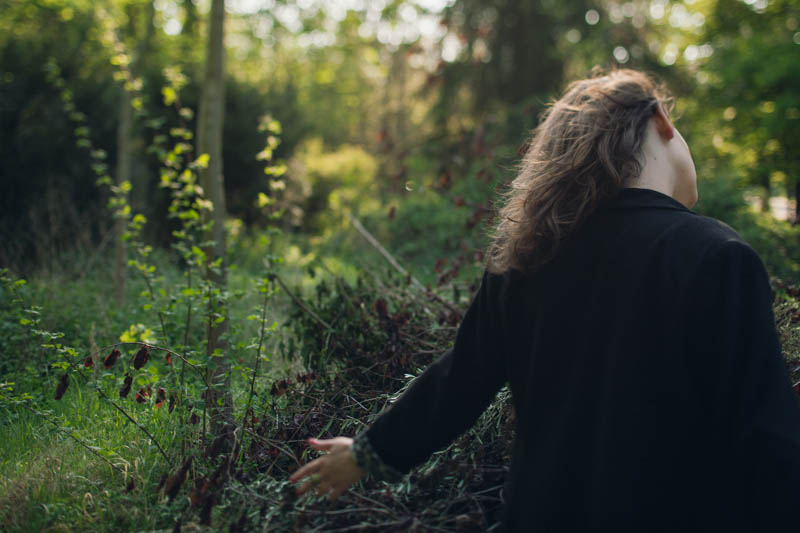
{"x": 449, "y": 396}
{"x": 748, "y": 393}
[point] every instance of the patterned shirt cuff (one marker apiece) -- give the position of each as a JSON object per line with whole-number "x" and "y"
{"x": 368, "y": 459}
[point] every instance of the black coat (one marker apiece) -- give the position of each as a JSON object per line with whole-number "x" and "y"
{"x": 646, "y": 374}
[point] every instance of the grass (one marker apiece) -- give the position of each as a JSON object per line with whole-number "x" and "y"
{"x": 52, "y": 483}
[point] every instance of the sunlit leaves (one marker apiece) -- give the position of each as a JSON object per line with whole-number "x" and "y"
{"x": 137, "y": 333}
{"x": 169, "y": 95}
{"x": 263, "y": 200}
{"x": 202, "y": 161}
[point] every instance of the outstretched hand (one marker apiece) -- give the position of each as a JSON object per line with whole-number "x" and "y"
{"x": 333, "y": 473}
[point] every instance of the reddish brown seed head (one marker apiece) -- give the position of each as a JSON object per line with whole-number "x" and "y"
{"x": 141, "y": 357}
{"x": 126, "y": 386}
{"x": 161, "y": 396}
{"x": 111, "y": 358}
{"x": 61, "y": 388}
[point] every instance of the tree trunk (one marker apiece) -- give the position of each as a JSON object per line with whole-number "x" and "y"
{"x": 189, "y": 18}
{"x": 765, "y": 183}
{"x": 209, "y": 141}
{"x": 123, "y": 173}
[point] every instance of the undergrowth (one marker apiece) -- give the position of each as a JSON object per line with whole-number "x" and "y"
{"x": 350, "y": 348}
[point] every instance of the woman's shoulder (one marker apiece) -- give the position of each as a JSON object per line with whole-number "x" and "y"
{"x": 709, "y": 247}
{"x": 697, "y": 233}
{"x": 711, "y": 228}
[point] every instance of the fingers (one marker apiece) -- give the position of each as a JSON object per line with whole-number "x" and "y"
{"x": 305, "y": 487}
{"x": 305, "y": 470}
{"x": 321, "y": 487}
{"x": 322, "y": 444}
{"x": 333, "y": 473}
{"x": 329, "y": 444}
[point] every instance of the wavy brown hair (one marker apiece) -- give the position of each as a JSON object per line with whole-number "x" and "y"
{"x": 586, "y": 148}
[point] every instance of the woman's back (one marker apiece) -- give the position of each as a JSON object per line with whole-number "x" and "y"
{"x": 637, "y": 361}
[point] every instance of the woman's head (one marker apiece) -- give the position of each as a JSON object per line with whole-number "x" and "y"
{"x": 588, "y": 146}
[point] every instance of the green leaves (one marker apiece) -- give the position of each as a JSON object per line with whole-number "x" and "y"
{"x": 169, "y": 95}
{"x": 202, "y": 161}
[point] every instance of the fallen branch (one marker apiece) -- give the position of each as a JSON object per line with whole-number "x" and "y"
{"x": 392, "y": 261}
{"x": 300, "y": 303}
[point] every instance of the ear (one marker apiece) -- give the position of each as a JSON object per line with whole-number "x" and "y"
{"x": 663, "y": 124}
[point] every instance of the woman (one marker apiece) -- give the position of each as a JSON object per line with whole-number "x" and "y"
{"x": 637, "y": 338}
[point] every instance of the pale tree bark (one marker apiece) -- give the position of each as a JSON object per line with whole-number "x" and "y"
{"x": 209, "y": 141}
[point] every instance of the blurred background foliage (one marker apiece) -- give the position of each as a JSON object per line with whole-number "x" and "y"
{"x": 408, "y": 114}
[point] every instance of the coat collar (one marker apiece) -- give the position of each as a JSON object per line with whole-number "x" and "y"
{"x": 639, "y": 198}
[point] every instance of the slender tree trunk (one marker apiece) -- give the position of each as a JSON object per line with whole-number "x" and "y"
{"x": 209, "y": 141}
{"x": 123, "y": 173}
{"x": 765, "y": 183}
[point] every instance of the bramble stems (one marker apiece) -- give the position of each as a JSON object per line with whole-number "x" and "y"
{"x": 183, "y": 359}
{"x": 258, "y": 357}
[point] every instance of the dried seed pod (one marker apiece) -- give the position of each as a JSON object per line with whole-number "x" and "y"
{"x": 173, "y": 483}
{"x": 63, "y": 383}
{"x": 88, "y": 362}
{"x": 111, "y": 358}
{"x": 141, "y": 395}
{"x": 126, "y": 386}
{"x": 196, "y": 494}
{"x": 161, "y": 482}
{"x": 279, "y": 388}
{"x": 169, "y": 358}
{"x": 161, "y": 396}
{"x": 171, "y": 401}
{"x": 141, "y": 357}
